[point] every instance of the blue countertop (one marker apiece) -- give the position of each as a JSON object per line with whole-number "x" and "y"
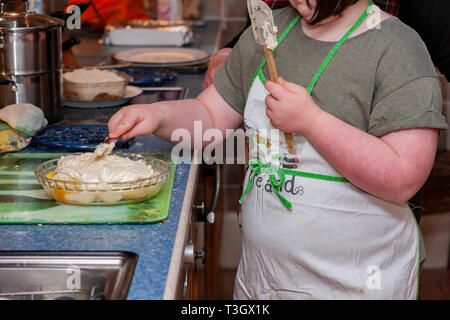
{"x": 153, "y": 243}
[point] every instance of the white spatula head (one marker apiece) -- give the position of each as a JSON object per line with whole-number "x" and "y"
{"x": 263, "y": 26}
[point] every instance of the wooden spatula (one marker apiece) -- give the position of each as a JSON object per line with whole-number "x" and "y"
{"x": 265, "y": 33}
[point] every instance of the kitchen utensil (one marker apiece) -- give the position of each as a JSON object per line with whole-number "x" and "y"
{"x": 130, "y": 93}
{"x": 265, "y": 31}
{"x": 23, "y": 200}
{"x": 30, "y": 55}
{"x": 162, "y": 57}
{"x": 68, "y": 57}
{"x": 76, "y": 138}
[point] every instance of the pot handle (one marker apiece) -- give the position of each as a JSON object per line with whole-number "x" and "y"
{"x": 5, "y": 80}
{"x": 2, "y": 6}
{"x": 8, "y": 80}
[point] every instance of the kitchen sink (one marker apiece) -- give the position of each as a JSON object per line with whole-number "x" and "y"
{"x": 66, "y": 275}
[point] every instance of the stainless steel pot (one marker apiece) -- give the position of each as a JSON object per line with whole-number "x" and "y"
{"x": 30, "y": 60}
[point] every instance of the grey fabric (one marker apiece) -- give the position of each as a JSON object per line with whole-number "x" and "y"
{"x": 379, "y": 81}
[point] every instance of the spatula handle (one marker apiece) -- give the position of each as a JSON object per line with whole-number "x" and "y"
{"x": 274, "y": 77}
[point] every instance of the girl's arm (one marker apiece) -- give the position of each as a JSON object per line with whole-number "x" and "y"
{"x": 162, "y": 118}
{"x": 393, "y": 167}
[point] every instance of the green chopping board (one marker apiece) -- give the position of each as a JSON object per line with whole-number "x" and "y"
{"x": 23, "y": 200}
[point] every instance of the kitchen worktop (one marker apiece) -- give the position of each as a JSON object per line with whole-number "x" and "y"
{"x": 159, "y": 246}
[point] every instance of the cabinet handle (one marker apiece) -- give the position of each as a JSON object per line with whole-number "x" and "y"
{"x": 204, "y": 213}
{"x": 190, "y": 255}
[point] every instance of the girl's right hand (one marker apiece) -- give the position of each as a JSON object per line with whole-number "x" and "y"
{"x": 132, "y": 121}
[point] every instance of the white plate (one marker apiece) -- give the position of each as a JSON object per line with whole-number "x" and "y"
{"x": 162, "y": 57}
{"x": 131, "y": 92}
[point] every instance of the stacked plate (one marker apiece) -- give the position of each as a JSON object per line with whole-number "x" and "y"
{"x": 162, "y": 57}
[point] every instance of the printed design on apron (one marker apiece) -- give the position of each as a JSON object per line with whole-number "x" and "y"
{"x": 292, "y": 254}
{"x": 264, "y": 152}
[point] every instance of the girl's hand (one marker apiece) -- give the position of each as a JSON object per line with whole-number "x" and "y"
{"x": 290, "y": 107}
{"x": 134, "y": 120}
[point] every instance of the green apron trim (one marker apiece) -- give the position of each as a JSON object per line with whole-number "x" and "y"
{"x": 277, "y": 177}
{"x": 338, "y": 45}
{"x": 418, "y": 264}
{"x": 419, "y": 253}
{"x": 257, "y": 166}
{"x": 261, "y": 76}
{"x": 314, "y": 176}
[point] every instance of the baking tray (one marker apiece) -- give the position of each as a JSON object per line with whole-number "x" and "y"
{"x": 76, "y": 138}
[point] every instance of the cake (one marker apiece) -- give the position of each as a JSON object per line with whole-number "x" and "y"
{"x": 92, "y": 84}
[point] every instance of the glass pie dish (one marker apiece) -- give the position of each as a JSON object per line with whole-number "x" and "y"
{"x": 103, "y": 193}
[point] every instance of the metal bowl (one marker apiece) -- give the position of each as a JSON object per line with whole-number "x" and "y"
{"x": 103, "y": 193}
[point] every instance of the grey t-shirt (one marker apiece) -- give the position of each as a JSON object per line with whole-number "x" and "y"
{"x": 379, "y": 81}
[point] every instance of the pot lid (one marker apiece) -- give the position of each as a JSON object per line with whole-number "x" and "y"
{"x": 26, "y": 21}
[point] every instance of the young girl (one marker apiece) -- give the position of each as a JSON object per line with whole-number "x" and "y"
{"x": 365, "y": 123}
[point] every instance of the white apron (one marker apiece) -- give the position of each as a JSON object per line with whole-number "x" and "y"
{"x": 337, "y": 242}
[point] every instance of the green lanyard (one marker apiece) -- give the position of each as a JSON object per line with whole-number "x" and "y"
{"x": 276, "y": 173}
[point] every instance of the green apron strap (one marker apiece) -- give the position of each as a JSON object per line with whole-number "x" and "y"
{"x": 338, "y": 45}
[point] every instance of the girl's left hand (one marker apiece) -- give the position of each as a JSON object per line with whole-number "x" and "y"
{"x": 290, "y": 107}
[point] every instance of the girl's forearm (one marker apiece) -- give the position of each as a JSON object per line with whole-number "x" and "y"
{"x": 180, "y": 115}
{"x": 366, "y": 161}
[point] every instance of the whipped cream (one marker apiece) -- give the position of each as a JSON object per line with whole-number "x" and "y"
{"x": 110, "y": 168}
{"x": 104, "y": 149}
{"x": 92, "y": 76}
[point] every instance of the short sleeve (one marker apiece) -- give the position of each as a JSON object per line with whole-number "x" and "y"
{"x": 228, "y": 79}
{"x": 417, "y": 104}
{"x": 407, "y": 90}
